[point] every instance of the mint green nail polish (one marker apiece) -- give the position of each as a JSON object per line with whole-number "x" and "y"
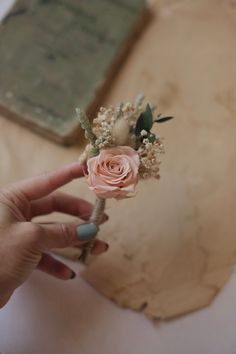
{"x": 86, "y": 232}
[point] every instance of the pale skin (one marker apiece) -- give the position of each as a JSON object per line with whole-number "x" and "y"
{"x": 25, "y": 245}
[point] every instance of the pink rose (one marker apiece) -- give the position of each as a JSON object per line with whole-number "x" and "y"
{"x": 114, "y": 172}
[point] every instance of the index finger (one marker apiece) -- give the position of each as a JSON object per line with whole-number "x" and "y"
{"x": 44, "y": 184}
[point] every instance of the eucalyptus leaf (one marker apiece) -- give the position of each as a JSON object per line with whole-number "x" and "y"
{"x": 163, "y": 119}
{"x": 145, "y": 121}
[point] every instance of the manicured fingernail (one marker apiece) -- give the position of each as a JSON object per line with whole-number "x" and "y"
{"x": 73, "y": 275}
{"x": 86, "y": 232}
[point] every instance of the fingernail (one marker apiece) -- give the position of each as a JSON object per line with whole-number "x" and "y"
{"x": 73, "y": 275}
{"x": 86, "y": 232}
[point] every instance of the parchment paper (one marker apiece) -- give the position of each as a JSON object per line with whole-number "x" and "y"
{"x": 172, "y": 247}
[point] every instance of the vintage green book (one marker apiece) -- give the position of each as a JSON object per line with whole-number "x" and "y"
{"x": 59, "y": 54}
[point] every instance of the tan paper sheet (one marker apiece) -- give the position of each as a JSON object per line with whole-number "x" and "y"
{"x": 173, "y": 245}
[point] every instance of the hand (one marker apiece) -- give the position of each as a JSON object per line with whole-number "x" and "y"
{"x": 23, "y": 243}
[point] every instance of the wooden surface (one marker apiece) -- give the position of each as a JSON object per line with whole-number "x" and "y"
{"x": 57, "y": 55}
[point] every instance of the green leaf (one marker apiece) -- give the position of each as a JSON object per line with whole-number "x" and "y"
{"x": 152, "y": 138}
{"x": 145, "y": 121}
{"x": 94, "y": 151}
{"x": 162, "y": 119}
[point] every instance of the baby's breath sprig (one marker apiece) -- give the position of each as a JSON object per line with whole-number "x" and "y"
{"x": 147, "y": 144}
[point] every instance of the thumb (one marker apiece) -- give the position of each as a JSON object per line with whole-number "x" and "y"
{"x": 47, "y": 236}
{"x": 58, "y": 235}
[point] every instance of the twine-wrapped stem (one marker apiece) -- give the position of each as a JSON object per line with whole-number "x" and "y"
{"x": 96, "y": 218}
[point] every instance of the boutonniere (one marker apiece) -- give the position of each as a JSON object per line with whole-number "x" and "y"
{"x": 121, "y": 150}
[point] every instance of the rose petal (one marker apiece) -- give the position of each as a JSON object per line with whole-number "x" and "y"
{"x": 114, "y": 172}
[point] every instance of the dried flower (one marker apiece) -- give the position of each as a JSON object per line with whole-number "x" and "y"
{"x": 120, "y": 132}
{"x": 144, "y": 132}
{"x": 149, "y": 163}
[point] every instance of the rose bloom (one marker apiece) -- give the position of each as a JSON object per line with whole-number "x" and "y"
{"x": 114, "y": 172}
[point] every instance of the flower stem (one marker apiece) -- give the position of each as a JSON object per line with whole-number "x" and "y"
{"x": 95, "y": 218}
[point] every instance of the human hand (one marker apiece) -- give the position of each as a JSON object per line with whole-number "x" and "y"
{"x": 24, "y": 245}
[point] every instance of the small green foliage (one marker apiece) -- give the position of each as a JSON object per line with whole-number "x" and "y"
{"x": 145, "y": 121}
{"x": 94, "y": 151}
{"x": 152, "y": 138}
{"x": 162, "y": 119}
{"x": 85, "y": 124}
